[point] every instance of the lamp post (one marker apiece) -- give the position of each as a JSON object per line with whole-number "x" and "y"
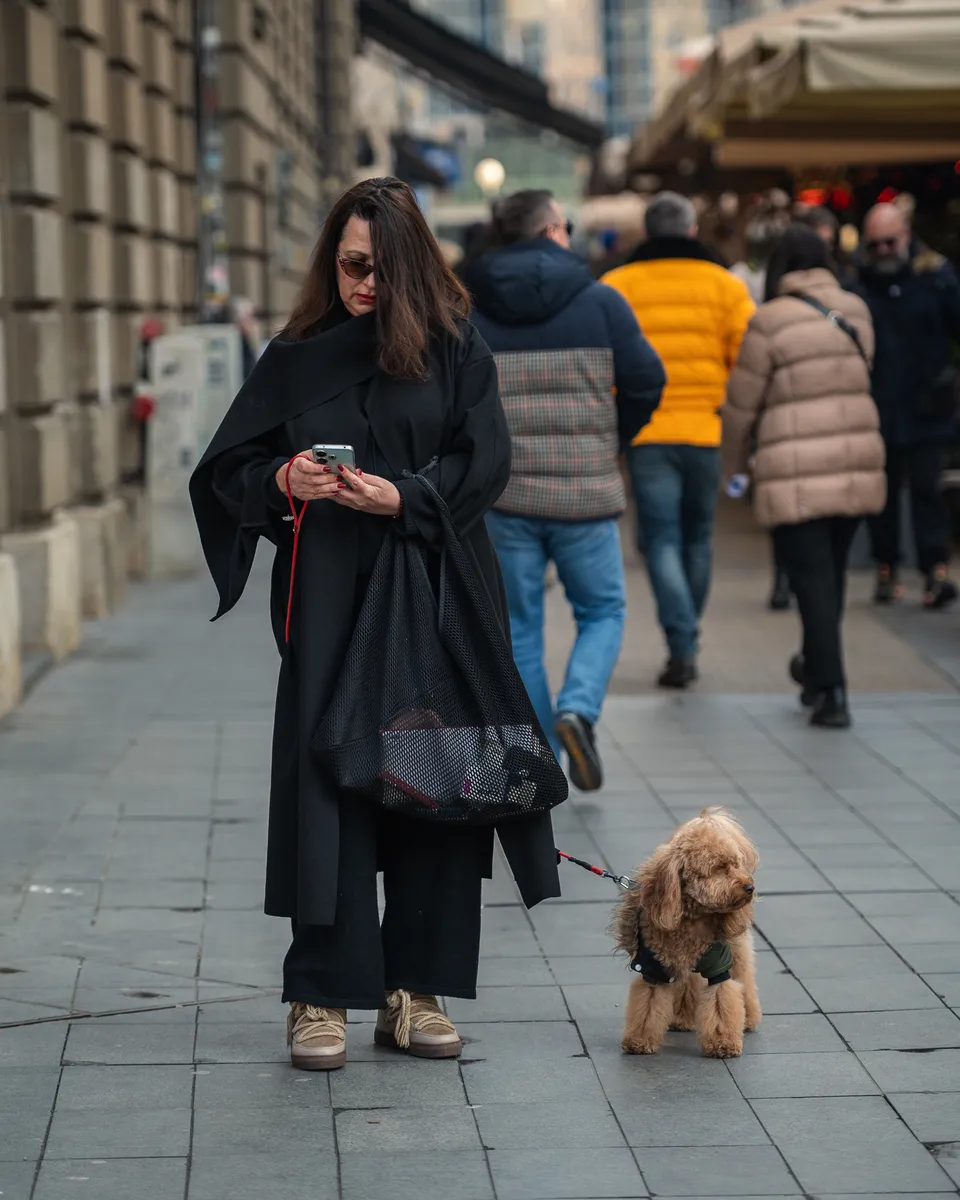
{"x": 489, "y": 175}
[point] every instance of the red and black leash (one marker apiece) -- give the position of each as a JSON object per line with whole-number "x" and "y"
{"x": 622, "y": 881}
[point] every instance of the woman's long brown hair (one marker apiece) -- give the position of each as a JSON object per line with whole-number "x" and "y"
{"x": 417, "y": 293}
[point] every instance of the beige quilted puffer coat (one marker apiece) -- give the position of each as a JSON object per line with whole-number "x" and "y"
{"x": 799, "y": 401}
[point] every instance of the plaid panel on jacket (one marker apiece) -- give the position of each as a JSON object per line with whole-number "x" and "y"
{"x": 562, "y": 413}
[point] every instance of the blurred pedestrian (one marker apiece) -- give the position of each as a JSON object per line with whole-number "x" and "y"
{"x": 800, "y": 393}
{"x": 578, "y": 381}
{"x": 694, "y": 312}
{"x": 242, "y": 315}
{"x": 823, "y": 223}
{"x": 914, "y": 298}
{"x": 377, "y": 357}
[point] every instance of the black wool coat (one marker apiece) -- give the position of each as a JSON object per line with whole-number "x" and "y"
{"x": 328, "y": 389}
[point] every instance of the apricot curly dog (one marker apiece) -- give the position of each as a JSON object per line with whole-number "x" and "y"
{"x": 686, "y": 925}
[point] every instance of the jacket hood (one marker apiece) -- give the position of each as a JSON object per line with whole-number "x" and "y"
{"x": 526, "y": 283}
{"x": 676, "y": 247}
{"x": 815, "y": 280}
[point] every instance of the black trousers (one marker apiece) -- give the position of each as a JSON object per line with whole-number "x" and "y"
{"x": 429, "y": 940}
{"x": 920, "y": 466}
{"x": 814, "y": 554}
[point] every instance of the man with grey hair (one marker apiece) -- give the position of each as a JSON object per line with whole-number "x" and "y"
{"x": 914, "y": 299}
{"x": 694, "y": 313}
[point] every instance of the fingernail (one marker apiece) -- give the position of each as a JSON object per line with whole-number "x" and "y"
{"x": 326, "y": 470}
{"x": 341, "y": 485}
{"x": 359, "y": 472}
{"x": 340, "y": 467}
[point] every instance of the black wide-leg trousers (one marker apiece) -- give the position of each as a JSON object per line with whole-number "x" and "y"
{"x": 814, "y": 554}
{"x": 429, "y": 938}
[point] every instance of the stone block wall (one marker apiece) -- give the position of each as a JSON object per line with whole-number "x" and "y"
{"x": 98, "y": 232}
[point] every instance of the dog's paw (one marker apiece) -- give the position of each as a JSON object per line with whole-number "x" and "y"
{"x": 729, "y": 1048}
{"x": 633, "y": 1046}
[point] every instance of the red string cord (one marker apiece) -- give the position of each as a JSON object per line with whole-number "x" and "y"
{"x": 297, "y": 522}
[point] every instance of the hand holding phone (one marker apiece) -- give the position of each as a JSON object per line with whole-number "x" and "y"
{"x": 334, "y": 456}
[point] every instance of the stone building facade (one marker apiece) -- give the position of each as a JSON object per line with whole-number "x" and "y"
{"x": 98, "y": 232}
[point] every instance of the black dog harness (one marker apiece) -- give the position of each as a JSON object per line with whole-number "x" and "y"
{"x": 714, "y": 964}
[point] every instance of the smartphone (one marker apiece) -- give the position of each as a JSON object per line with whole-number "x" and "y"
{"x": 334, "y": 456}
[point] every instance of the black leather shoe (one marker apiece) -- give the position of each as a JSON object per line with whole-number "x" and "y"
{"x": 576, "y": 734}
{"x": 678, "y": 673}
{"x": 808, "y": 695}
{"x": 939, "y": 591}
{"x": 887, "y": 588}
{"x": 780, "y": 596}
{"x": 830, "y": 710}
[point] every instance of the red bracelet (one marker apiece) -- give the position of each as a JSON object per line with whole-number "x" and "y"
{"x": 399, "y": 513}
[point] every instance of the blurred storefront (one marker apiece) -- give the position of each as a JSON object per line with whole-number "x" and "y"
{"x": 848, "y": 100}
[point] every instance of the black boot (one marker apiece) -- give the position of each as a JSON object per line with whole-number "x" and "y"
{"x": 678, "y": 673}
{"x": 780, "y": 596}
{"x": 808, "y": 695}
{"x": 830, "y": 710}
{"x": 938, "y": 591}
{"x": 577, "y": 736}
{"x": 887, "y": 587}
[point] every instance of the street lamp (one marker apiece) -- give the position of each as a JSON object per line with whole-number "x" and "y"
{"x": 489, "y": 175}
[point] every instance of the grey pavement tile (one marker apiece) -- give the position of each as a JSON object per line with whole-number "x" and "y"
{"x": 932, "y": 1117}
{"x": 778, "y": 881}
{"x": 874, "y": 856}
{"x": 152, "y": 893}
{"x": 677, "y": 1069}
{"x": 574, "y": 929}
{"x": 796, "y": 1033}
{"x": 149, "y": 1132}
{"x": 312, "y": 1172}
{"x": 919, "y": 1029}
{"x": 518, "y": 1082}
{"x": 22, "y": 1133}
{"x": 900, "y": 878}
{"x": 237, "y": 895}
{"x": 912, "y": 1071}
{"x": 253, "y": 1011}
{"x": 241, "y": 1086}
{"x": 813, "y": 1074}
{"x": 947, "y": 1155}
{"x": 590, "y": 1001}
{"x": 556, "y": 1174}
{"x": 946, "y": 986}
{"x": 664, "y": 1118}
{"x": 555, "y": 1124}
{"x": 122, "y": 1044}
{"x": 590, "y": 969}
{"x": 408, "y": 1130}
{"x": 97, "y": 1088}
{"x": 16, "y": 1180}
{"x": 809, "y": 963}
{"x": 112, "y": 1179}
{"x": 927, "y": 958}
{"x": 506, "y": 933}
{"x": 865, "y": 993}
{"x": 220, "y": 1041}
{"x": 515, "y": 972}
{"x": 241, "y": 1129}
{"x": 403, "y": 1083}
{"x": 516, "y": 1041}
{"x": 725, "y": 1170}
{"x": 510, "y": 1004}
{"x": 851, "y": 1144}
{"x": 438, "y": 1176}
{"x": 33, "y": 1045}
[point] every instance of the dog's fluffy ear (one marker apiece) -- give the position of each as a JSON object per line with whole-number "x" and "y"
{"x": 660, "y": 887}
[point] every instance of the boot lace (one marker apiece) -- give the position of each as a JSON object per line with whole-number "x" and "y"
{"x": 309, "y": 1023}
{"x": 417, "y": 1012}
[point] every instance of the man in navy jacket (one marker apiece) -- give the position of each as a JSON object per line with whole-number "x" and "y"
{"x": 578, "y": 382}
{"x": 914, "y": 299}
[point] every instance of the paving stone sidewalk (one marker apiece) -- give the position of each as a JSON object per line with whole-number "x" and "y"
{"x": 132, "y": 827}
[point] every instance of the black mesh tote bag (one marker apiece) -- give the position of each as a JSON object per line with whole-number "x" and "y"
{"x": 430, "y": 717}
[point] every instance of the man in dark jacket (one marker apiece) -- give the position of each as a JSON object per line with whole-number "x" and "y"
{"x": 578, "y": 382}
{"x": 914, "y": 299}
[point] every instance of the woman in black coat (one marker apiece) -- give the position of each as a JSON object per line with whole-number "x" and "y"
{"x": 378, "y": 355}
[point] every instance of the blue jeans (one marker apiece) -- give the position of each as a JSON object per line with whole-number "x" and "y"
{"x": 676, "y": 489}
{"x": 589, "y": 565}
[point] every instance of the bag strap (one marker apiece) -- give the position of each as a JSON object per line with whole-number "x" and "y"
{"x": 837, "y": 318}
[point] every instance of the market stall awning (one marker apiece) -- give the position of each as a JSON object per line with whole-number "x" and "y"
{"x": 470, "y": 69}
{"x": 833, "y": 81}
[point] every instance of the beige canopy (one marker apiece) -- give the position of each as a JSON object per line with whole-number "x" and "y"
{"x": 832, "y": 81}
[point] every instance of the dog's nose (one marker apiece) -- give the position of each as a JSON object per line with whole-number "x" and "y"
{"x": 748, "y": 888}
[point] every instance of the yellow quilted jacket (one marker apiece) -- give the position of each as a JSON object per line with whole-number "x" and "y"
{"x": 694, "y": 313}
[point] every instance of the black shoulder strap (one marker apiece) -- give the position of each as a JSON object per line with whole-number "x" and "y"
{"x": 837, "y": 318}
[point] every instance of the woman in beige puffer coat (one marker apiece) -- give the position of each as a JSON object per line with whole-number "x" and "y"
{"x": 798, "y": 403}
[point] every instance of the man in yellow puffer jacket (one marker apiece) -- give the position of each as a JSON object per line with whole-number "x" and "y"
{"x": 694, "y": 313}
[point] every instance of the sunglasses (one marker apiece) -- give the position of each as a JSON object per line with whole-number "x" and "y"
{"x": 354, "y": 268}
{"x": 887, "y": 243}
{"x": 567, "y": 225}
